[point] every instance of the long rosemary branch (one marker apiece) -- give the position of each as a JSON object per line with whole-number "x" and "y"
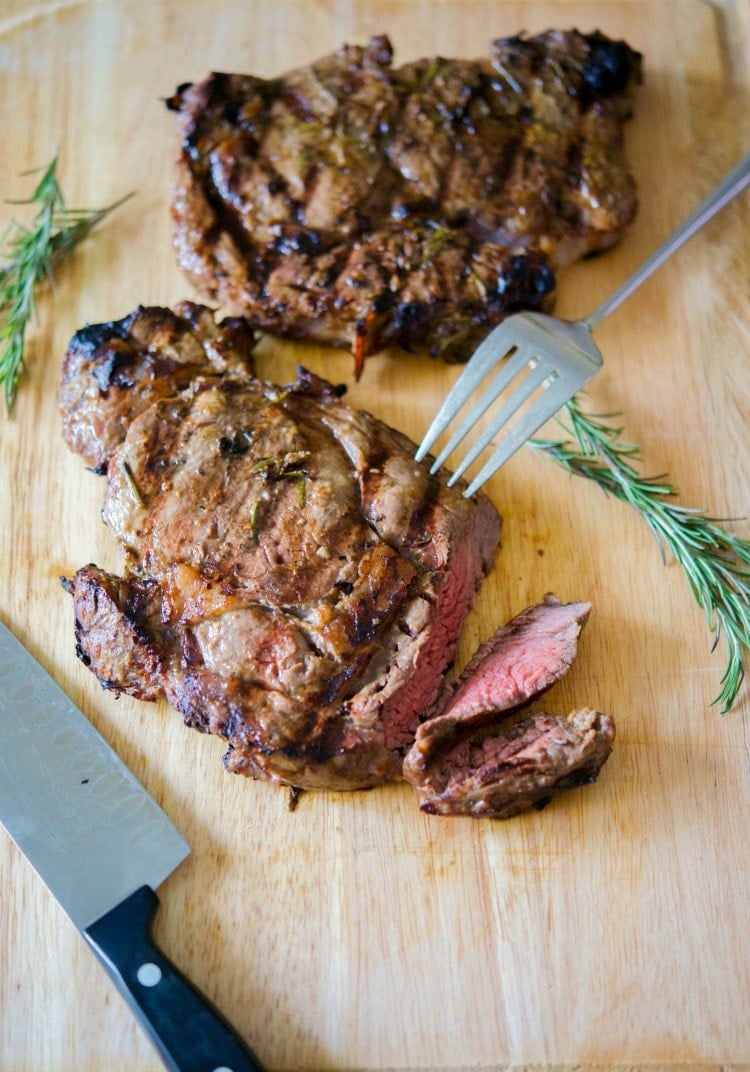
{"x": 28, "y": 256}
{"x": 716, "y": 564}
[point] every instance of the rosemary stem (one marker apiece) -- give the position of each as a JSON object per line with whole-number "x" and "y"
{"x": 716, "y": 564}
{"x": 28, "y": 256}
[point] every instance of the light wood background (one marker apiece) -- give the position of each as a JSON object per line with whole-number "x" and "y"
{"x": 614, "y": 927}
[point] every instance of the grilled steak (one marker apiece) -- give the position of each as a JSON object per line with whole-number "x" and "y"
{"x": 365, "y": 205}
{"x": 458, "y": 770}
{"x": 295, "y": 582}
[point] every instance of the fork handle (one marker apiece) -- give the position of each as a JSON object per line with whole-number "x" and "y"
{"x": 736, "y": 181}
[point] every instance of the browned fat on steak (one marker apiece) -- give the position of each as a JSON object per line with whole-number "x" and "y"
{"x": 367, "y": 205}
{"x": 459, "y": 769}
{"x": 295, "y": 582}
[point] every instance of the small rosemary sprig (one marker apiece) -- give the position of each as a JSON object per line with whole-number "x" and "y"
{"x": 716, "y": 564}
{"x": 28, "y": 256}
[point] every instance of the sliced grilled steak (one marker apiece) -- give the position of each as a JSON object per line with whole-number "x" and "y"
{"x": 366, "y": 205}
{"x": 295, "y": 582}
{"x": 459, "y": 771}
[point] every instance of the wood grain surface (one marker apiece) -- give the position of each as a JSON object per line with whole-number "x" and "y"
{"x": 611, "y": 929}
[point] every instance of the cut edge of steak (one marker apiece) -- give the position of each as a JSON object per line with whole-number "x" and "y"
{"x": 459, "y": 765}
{"x": 365, "y": 205}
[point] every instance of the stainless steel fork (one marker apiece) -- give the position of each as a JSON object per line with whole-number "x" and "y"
{"x": 552, "y": 359}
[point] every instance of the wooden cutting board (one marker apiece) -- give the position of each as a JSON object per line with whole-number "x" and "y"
{"x": 610, "y": 929}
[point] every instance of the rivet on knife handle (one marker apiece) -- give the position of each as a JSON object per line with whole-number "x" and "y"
{"x": 189, "y": 1033}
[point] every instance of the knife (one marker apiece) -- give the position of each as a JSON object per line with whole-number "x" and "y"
{"x": 102, "y": 845}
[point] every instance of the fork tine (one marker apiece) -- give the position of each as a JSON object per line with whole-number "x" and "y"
{"x": 502, "y": 380}
{"x": 553, "y": 399}
{"x": 525, "y": 389}
{"x": 491, "y": 350}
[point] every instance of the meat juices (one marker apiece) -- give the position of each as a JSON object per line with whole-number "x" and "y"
{"x": 366, "y": 205}
{"x": 295, "y": 582}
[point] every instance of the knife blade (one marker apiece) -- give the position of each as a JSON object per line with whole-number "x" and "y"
{"x": 102, "y": 845}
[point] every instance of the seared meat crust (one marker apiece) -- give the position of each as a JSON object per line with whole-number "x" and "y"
{"x": 295, "y": 583}
{"x": 365, "y": 205}
{"x": 112, "y": 372}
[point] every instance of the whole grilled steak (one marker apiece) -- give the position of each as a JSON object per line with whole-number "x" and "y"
{"x": 365, "y": 205}
{"x": 295, "y": 582}
{"x": 459, "y": 769}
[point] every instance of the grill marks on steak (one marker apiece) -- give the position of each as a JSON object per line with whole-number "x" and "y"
{"x": 459, "y": 770}
{"x": 288, "y": 565}
{"x": 362, "y": 204}
{"x": 112, "y": 372}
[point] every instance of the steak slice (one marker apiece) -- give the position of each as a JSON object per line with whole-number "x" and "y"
{"x": 459, "y": 771}
{"x": 366, "y": 205}
{"x": 295, "y": 582}
{"x": 522, "y": 768}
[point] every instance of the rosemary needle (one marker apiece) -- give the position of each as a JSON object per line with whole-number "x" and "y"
{"x": 28, "y": 256}
{"x": 716, "y": 564}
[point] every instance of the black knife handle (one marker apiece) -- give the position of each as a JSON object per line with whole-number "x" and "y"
{"x": 189, "y": 1033}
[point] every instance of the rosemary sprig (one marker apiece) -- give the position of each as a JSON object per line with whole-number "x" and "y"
{"x": 716, "y": 564}
{"x": 28, "y": 256}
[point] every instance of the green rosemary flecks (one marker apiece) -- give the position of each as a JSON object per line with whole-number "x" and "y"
{"x": 716, "y": 564}
{"x": 135, "y": 491}
{"x": 437, "y": 238}
{"x": 28, "y": 256}
{"x": 254, "y": 525}
{"x": 287, "y": 466}
{"x": 478, "y": 283}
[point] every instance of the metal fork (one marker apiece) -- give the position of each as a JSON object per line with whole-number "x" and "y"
{"x": 553, "y": 358}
